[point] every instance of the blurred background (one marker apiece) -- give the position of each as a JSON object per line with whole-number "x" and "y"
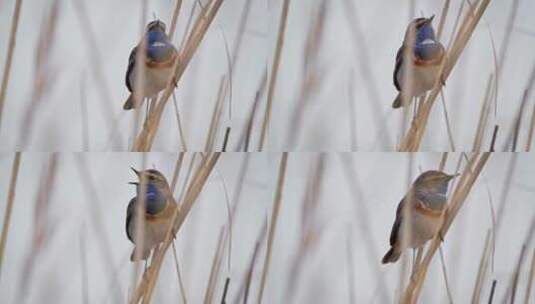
{"x": 67, "y": 235}
{"x": 344, "y": 105}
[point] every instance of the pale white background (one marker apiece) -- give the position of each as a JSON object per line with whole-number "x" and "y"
{"x": 326, "y": 116}
{"x": 342, "y": 217}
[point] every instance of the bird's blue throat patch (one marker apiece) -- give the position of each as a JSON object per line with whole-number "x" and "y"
{"x": 154, "y": 199}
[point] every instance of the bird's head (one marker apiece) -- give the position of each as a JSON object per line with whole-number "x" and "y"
{"x": 420, "y": 30}
{"x": 156, "y": 25}
{"x": 152, "y": 178}
{"x": 433, "y": 181}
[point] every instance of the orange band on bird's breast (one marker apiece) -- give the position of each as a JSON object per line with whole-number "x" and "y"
{"x": 165, "y": 64}
{"x": 420, "y": 62}
{"x": 422, "y": 208}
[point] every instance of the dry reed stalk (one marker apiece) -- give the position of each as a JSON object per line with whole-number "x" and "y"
{"x": 467, "y": 179}
{"x": 95, "y": 57}
{"x": 274, "y": 72}
{"x": 179, "y": 276}
{"x": 216, "y": 266}
{"x": 531, "y": 129}
{"x": 530, "y": 279}
{"x": 225, "y": 291}
{"x": 310, "y": 231}
{"x": 83, "y": 267}
{"x": 9, "y": 58}
{"x": 216, "y": 116}
{"x": 483, "y": 116}
{"x": 92, "y": 200}
{"x": 482, "y": 270}
{"x": 183, "y": 144}
{"x": 145, "y": 287}
{"x": 176, "y": 13}
{"x": 347, "y": 163}
{"x": 514, "y": 283}
{"x": 145, "y": 138}
{"x": 351, "y": 283}
{"x": 273, "y": 225}
{"x": 312, "y": 77}
{"x": 245, "y": 137}
{"x": 412, "y": 139}
{"x": 364, "y": 60}
{"x": 9, "y": 206}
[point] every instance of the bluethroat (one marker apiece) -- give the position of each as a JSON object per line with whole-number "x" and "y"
{"x": 160, "y": 58}
{"x": 426, "y": 200}
{"x": 426, "y": 55}
{"x": 158, "y": 210}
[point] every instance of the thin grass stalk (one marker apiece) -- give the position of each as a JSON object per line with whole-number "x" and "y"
{"x": 492, "y": 291}
{"x": 145, "y": 288}
{"x": 174, "y": 20}
{"x": 445, "y": 274}
{"x": 9, "y": 206}
{"x": 518, "y": 122}
{"x": 514, "y": 283}
{"x": 482, "y": 270}
{"x": 412, "y": 139}
{"x": 530, "y": 279}
{"x": 273, "y": 226}
{"x": 225, "y": 291}
{"x": 364, "y": 59}
{"x": 249, "y": 274}
{"x": 462, "y": 189}
{"x": 531, "y": 129}
{"x": 92, "y": 200}
{"x": 183, "y": 144}
{"x": 179, "y": 276}
{"x": 351, "y": 283}
{"x": 245, "y": 138}
{"x": 216, "y": 116}
{"x": 145, "y": 138}
{"x": 274, "y": 72}
{"x": 84, "y": 121}
{"x": 83, "y": 268}
{"x": 448, "y": 125}
{"x": 483, "y": 116}
{"x": 9, "y": 58}
{"x": 443, "y": 16}
{"x": 214, "y": 271}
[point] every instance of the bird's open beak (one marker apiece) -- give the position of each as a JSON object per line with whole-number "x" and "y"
{"x": 430, "y": 19}
{"x": 136, "y": 172}
{"x": 134, "y": 183}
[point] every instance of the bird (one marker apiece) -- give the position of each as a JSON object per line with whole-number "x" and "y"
{"x": 158, "y": 211}
{"x": 426, "y": 54}
{"x": 160, "y": 58}
{"x": 425, "y": 200}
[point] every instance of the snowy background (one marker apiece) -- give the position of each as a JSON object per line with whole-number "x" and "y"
{"x": 350, "y": 212}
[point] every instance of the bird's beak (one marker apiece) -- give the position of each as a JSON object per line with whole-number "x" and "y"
{"x": 134, "y": 183}
{"x": 450, "y": 177}
{"x": 136, "y": 172}
{"x": 430, "y": 19}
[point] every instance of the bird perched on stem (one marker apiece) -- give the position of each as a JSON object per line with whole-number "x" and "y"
{"x": 418, "y": 217}
{"x": 158, "y": 210}
{"x": 160, "y": 58}
{"x": 417, "y": 62}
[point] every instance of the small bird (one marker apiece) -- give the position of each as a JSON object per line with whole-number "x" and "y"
{"x": 159, "y": 208}
{"x": 426, "y": 55}
{"x": 160, "y": 58}
{"x": 426, "y": 199}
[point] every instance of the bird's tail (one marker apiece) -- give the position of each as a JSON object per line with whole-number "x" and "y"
{"x": 143, "y": 255}
{"x": 130, "y": 103}
{"x": 397, "y": 102}
{"x": 391, "y": 256}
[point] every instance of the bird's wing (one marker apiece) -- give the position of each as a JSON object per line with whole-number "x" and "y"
{"x": 397, "y": 223}
{"x": 130, "y": 69}
{"x": 399, "y": 59}
{"x": 130, "y": 211}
